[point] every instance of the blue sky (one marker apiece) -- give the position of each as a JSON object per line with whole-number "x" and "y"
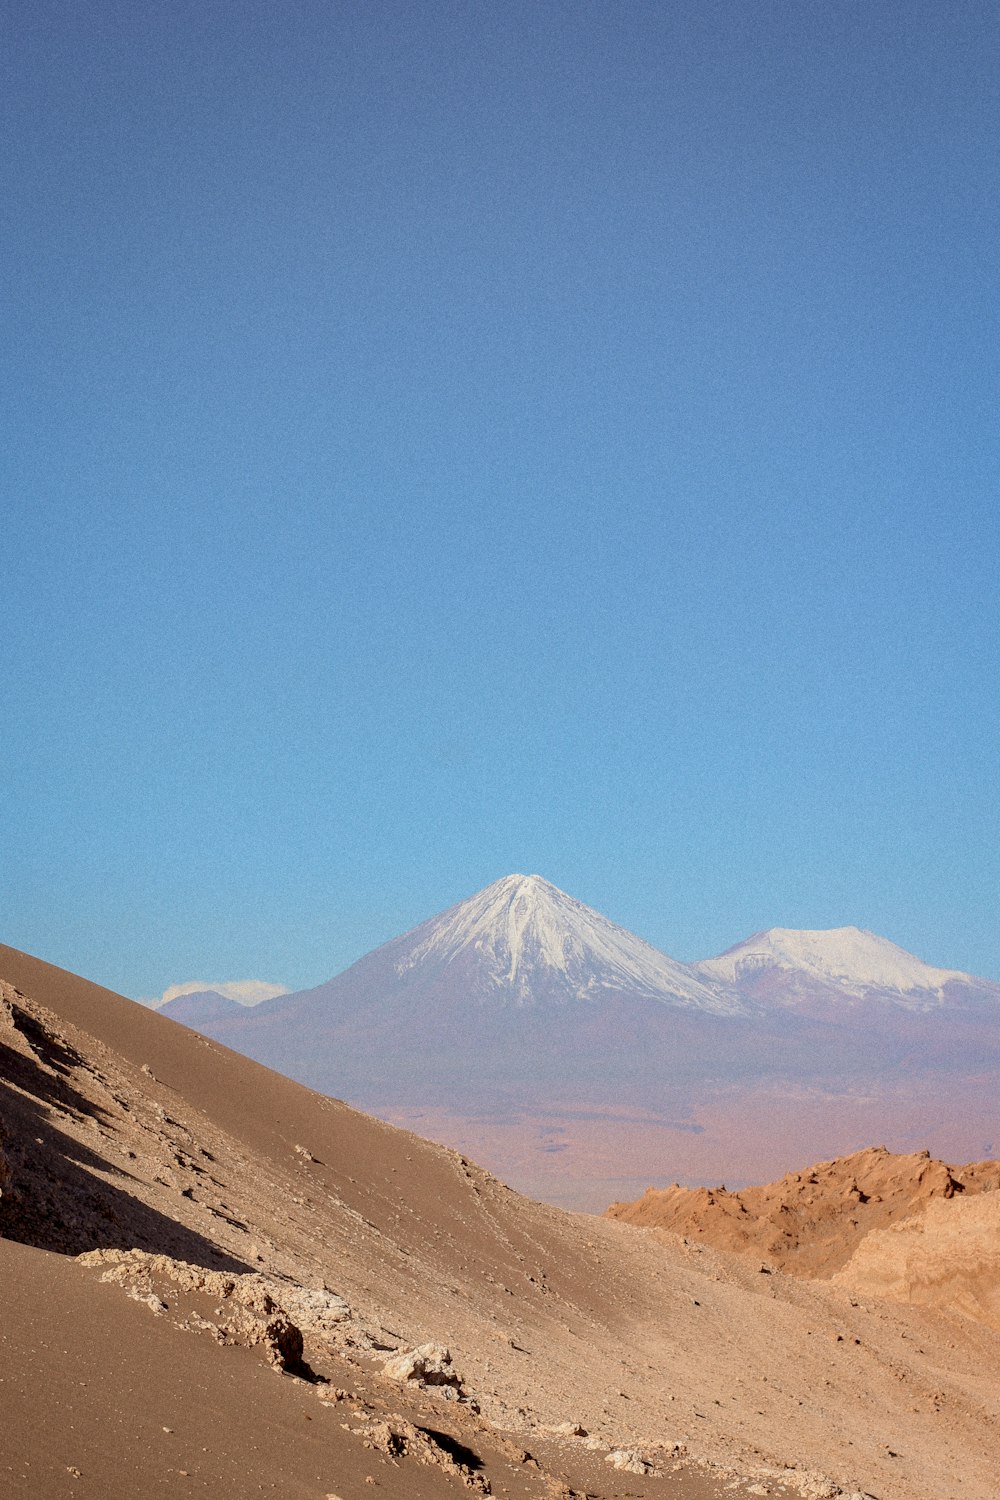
{"x": 448, "y": 439}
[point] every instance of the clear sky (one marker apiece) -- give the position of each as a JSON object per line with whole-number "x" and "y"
{"x": 442, "y": 439}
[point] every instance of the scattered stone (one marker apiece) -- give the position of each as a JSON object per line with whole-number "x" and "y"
{"x": 382, "y": 1437}
{"x": 316, "y": 1310}
{"x": 396, "y": 1439}
{"x": 148, "y": 1299}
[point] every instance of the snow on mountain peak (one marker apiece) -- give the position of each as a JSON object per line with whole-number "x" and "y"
{"x": 522, "y": 930}
{"x": 849, "y": 957}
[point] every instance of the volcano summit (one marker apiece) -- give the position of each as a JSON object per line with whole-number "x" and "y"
{"x": 523, "y": 941}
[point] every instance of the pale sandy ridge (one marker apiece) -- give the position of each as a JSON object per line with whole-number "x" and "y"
{"x": 123, "y": 1129}
{"x": 812, "y": 1222}
{"x": 946, "y": 1256}
{"x": 903, "y": 1227}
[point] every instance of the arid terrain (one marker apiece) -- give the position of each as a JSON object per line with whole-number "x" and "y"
{"x": 216, "y": 1281}
{"x": 586, "y": 1153}
{"x": 905, "y": 1227}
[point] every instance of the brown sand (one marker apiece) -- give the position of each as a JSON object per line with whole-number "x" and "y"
{"x": 124, "y": 1130}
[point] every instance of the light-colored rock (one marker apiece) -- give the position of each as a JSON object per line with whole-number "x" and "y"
{"x": 627, "y": 1461}
{"x": 249, "y": 1313}
{"x": 947, "y": 1256}
{"x": 397, "y": 1438}
{"x": 430, "y": 1364}
{"x": 316, "y": 1310}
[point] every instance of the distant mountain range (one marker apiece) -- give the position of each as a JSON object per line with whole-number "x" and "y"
{"x": 522, "y": 942}
{"x": 517, "y": 1018}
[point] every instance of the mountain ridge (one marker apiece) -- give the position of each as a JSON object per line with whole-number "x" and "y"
{"x": 524, "y": 930}
{"x": 204, "y": 1005}
{"x": 521, "y": 940}
{"x": 854, "y": 960}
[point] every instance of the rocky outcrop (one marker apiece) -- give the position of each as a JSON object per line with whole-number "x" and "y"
{"x": 430, "y": 1364}
{"x": 810, "y": 1222}
{"x": 6, "y": 1022}
{"x": 398, "y": 1438}
{"x": 947, "y": 1256}
{"x": 252, "y": 1309}
{"x": 627, "y": 1461}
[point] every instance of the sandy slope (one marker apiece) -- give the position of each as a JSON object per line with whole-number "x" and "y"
{"x": 122, "y": 1129}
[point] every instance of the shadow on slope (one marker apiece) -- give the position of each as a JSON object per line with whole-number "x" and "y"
{"x": 57, "y": 1196}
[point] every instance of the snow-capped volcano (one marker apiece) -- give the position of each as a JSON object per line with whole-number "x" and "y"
{"x": 518, "y": 976}
{"x": 530, "y": 1030}
{"x": 855, "y": 963}
{"x": 527, "y": 940}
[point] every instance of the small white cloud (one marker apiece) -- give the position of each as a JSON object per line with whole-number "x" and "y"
{"x": 245, "y": 991}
